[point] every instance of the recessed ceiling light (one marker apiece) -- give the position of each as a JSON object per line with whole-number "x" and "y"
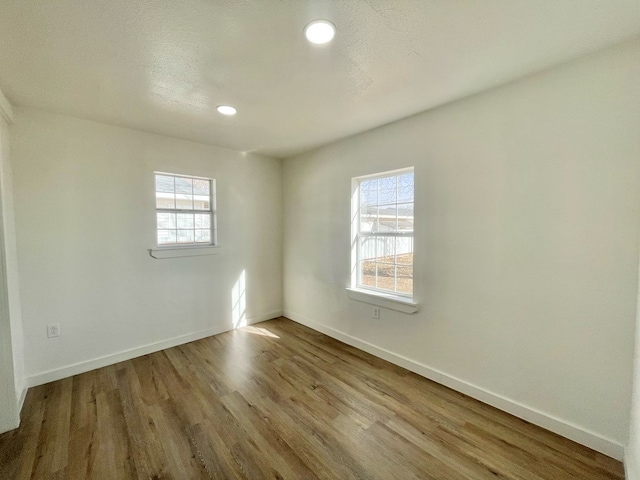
{"x": 226, "y": 110}
{"x": 320, "y": 31}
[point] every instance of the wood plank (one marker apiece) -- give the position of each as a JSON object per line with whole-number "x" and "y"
{"x": 277, "y": 400}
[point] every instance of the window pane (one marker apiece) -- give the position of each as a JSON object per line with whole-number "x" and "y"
{"x": 185, "y": 220}
{"x": 201, "y": 187}
{"x": 166, "y": 220}
{"x": 367, "y": 248}
{"x": 369, "y": 192}
{"x": 184, "y": 202}
{"x": 387, "y": 219}
{"x": 201, "y": 202}
{"x": 203, "y": 236}
{"x": 405, "y": 188}
{"x": 386, "y": 249}
{"x": 164, "y": 183}
{"x": 175, "y": 193}
{"x": 367, "y": 261}
{"x": 386, "y": 206}
{"x": 166, "y": 237}
{"x": 202, "y": 220}
{"x": 368, "y": 219}
{"x": 404, "y": 250}
{"x": 165, "y": 200}
{"x": 184, "y": 185}
{"x": 405, "y": 217}
{"x": 368, "y": 273}
{"x": 386, "y": 190}
{"x": 405, "y": 279}
{"x": 386, "y": 263}
{"x": 386, "y": 276}
{"x": 185, "y": 236}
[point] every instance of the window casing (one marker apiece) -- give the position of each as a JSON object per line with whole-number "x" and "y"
{"x": 382, "y": 230}
{"x": 185, "y": 210}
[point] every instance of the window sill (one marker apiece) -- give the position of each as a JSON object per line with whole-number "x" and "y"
{"x": 404, "y": 305}
{"x": 185, "y": 251}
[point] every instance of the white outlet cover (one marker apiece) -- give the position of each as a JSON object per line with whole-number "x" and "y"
{"x": 53, "y": 330}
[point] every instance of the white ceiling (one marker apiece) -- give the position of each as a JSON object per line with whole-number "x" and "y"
{"x": 163, "y": 66}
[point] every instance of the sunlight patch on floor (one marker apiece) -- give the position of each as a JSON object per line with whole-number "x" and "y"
{"x": 260, "y": 331}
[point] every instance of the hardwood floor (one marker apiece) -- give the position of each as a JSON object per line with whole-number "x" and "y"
{"x": 275, "y": 401}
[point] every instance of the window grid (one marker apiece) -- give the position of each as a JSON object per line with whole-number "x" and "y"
{"x": 385, "y": 233}
{"x": 184, "y": 210}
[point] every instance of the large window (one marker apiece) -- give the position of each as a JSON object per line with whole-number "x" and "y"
{"x": 185, "y": 210}
{"x": 383, "y": 232}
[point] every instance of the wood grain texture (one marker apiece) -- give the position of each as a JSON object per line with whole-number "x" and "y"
{"x": 277, "y": 401}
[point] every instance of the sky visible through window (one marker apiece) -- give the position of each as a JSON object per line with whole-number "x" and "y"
{"x": 387, "y": 190}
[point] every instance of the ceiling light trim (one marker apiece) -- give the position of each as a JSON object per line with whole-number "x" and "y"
{"x": 317, "y": 33}
{"x": 226, "y": 110}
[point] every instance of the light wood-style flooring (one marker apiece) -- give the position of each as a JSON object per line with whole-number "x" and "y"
{"x": 276, "y": 401}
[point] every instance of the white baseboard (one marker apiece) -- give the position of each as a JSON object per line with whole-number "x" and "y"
{"x": 88, "y": 365}
{"x": 561, "y": 427}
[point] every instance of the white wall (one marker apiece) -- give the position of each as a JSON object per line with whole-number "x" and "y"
{"x": 84, "y": 199}
{"x": 526, "y": 260}
{"x": 632, "y": 451}
{"x": 11, "y": 351}
{"x": 11, "y": 264}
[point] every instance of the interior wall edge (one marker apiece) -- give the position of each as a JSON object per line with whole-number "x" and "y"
{"x": 21, "y": 398}
{"x": 630, "y": 465}
{"x": 111, "y": 359}
{"x": 559, "y": 426}
{"x": 9, "y": 321}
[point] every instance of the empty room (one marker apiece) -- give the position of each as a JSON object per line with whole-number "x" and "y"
{"x": 319, "y": 239}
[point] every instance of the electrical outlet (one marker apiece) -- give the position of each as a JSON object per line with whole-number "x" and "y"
{"x": 375, "y": 313}
{"x": 53, "y": 330}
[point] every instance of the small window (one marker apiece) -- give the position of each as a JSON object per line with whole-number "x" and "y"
{"x": 185, "y": 210}
{"x": 383, "y": 233}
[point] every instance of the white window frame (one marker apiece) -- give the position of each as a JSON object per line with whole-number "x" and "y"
{"x": 211, "y": 211}
{"x": 389, "y": 299}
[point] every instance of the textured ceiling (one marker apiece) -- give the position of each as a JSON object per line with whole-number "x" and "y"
{"x": 163, "y": 66}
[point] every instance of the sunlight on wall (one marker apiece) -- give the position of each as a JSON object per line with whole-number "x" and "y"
{"x": 239, "y": 302}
